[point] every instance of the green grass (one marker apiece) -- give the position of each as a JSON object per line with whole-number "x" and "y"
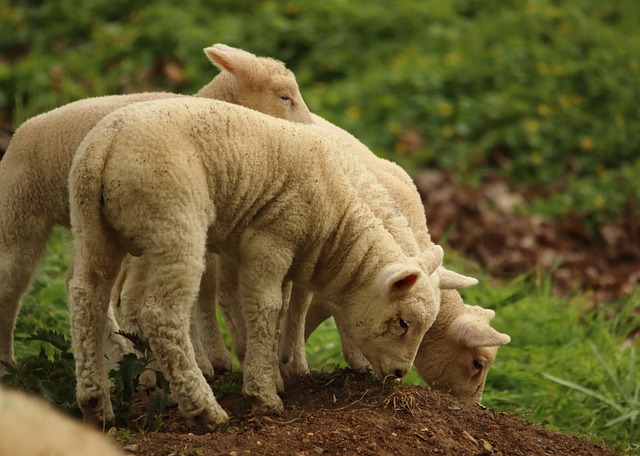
{"x": 565, "y": 369}
{"x": 568, "y": 370}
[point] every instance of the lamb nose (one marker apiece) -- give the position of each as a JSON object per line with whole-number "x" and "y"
{"x": 400, "y": 373}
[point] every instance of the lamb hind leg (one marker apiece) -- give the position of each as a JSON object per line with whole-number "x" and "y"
{"x": 293, "y": 359}
{"x": 170, "y": 293}
{"x": 207, "y": 321}
{"x": 88, "y": 304}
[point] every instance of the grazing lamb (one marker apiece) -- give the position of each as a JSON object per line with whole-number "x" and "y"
{"x": 456, "y": 379}
{"x": 30, "y": 426}
{"x": 168, "y": 180}
{"x": 455, "y": 354}
{"x": 34, "y": 174}
{"x": 459, "y": 348}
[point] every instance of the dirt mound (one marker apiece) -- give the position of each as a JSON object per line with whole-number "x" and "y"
{"x": 348, "y": 413}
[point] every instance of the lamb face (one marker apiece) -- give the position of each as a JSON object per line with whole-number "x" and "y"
{"x": 258, "y": 83}
{"x": 459, "y": 361}
{"x": 388, "y": 320}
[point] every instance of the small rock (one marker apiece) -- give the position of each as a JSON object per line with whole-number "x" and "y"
{"x": 469, "y": 437}
{"x": 133, "y": 448}
{"x": 318, "y": 450}
{"x": 486, "y": 445}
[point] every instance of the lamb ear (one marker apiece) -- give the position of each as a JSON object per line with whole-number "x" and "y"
{"x": 228, "y": 58}
{"x": 433, "y": 258}
{"x": 470, "y": 331}
{"x": 480, "y": 311}
{"x": 397, "y": 277}
{"x": 450, "y": 280}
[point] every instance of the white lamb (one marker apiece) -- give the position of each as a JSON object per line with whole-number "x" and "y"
{"x": 475, "y": 348}
{"x": 170, "y": 179}
{"x": 34, "y": 174}
{"x": 31, "y": 426}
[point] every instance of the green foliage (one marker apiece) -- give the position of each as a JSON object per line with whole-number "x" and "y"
{"x": 626, "y": 393}
{"x": 566, "y": 369}
{"x": 543, "y": 91}
{"x": 52, "y": 377}
{"x": 126, "y": 380}
{"x": 45, "y": 306}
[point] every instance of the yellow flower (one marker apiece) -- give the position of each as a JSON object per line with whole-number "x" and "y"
{"x": 542, "y": 68}
{"x": 445, "y": 109}
{"x": 394, "y": 126}
{"x": 564, "y": 28}
{"x": 291, "y": 10}
{"x": 600, "y": 170}
{"x": 452, "y": 58}
{"x": 557, "y": 70}
{"x": 565, "y": 101}
{"x": 531, "y": 125}
{"x": 536, "y": 158}
{"x": 587, "y": 143}
{"x": 598, "y": 202}
{"x": 633, "y": 66}
{"x": 552, "y": 11}
{"x": 543, "y": 110}
{"x": 353, "y": 112}
{"x": 448, "y": 131}
{"x": 619, "y": 121}
{"x": 400, "y": 148}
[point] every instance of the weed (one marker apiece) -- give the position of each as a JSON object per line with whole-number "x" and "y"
{"x": 622, "y": 401}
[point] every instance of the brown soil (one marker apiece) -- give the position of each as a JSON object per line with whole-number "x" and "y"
{"x": 484, "y": 226}
{"x": 344, "y": 413}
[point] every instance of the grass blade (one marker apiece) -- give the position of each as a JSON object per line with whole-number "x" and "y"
{"x": 586, "y": 391}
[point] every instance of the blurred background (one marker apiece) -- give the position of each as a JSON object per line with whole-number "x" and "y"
{"x": 518, "y": 119}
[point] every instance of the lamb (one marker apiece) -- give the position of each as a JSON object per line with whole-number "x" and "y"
{"x": 455, "y": 354}
{"x": 459, "y": 348}
{"x": 267, "y": 194}
{"x": 22, "y": 416}
{"x": 473, "y": 355}
{"x": 35, "y": 168}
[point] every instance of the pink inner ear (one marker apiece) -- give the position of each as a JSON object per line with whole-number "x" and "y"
{"x": 406, "y": 282}
{"x": 221, "y": 62}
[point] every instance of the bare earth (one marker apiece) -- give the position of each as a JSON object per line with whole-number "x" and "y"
{"x": 346, "y": 413}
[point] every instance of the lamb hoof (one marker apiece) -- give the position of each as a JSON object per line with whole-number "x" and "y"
{"x": 293, "y": 370}
{"x": 206, "y": 367}
{"x": 97, "y": 415}
{"x": 147, "y": 379}
{"x": 221, "y": 364}
{"x": 211, "y": 420}
{"x": 268, "y": 406}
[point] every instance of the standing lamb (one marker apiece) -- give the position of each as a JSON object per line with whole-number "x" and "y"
{"x": 468, "y": 371}
{"x": 170, "y": 179}
{"x": 34, "y": 174}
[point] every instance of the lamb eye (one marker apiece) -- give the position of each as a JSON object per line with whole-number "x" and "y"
{"x": 478, "y": 364}
{"x": 404, "y": 325}
{"x": 285, "y": 97}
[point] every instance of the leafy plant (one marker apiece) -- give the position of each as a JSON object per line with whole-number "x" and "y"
{"x": 126, "y": 380}
{"x": 627, "y": 389}
{"x": 52, "y": 377}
